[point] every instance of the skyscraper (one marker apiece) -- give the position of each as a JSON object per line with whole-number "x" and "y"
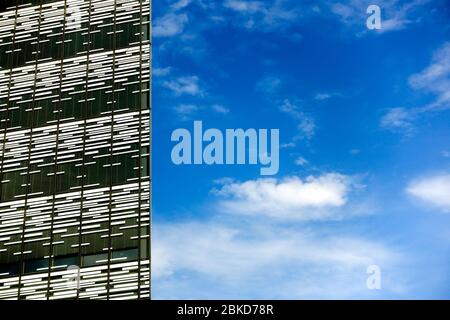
{"x": 75, "y": 149}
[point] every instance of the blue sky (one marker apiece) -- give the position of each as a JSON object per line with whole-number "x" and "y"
{"x": 364, "y": 173}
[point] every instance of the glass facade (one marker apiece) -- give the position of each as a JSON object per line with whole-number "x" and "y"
{"x": 75, "y": 149}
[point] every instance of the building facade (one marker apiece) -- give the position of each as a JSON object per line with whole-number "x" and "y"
{"x": 75, "y": 174}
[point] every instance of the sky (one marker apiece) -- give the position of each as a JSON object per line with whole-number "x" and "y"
{"x": 364, "y": 176}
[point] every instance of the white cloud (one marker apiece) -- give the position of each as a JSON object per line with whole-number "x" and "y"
{"x": 326, "y": 95}
{"x": 161, "y": 72}
{"x": 264, "y": 15}
{"x": 180, "y": 4}
{"x": 244, "y": 6}
{"x": 256, "y": 261}
{"x": 347, "y": 13}
{"x": 322, "y": 96}
{"x": 290, "y": 144}
{"x": 301, "y": 161}
{"x": 220, "y": 109}
{"x": 224, "y": 180}
{"x": 312, "y": 198}
{"x": 435, "y": 79}
{"x": 169, "y": 25}
{"x": 268, "y": 84}
{"x": 396, "y": 14}
{"x": 185, "y": 111}
{"x": 184, "y": 85}
{"x": 398, "y": 119}
{"x": 306, "y": 125}
{"x": 434, "y": 190}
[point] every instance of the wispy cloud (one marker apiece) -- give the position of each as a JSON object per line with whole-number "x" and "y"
{"x": 184, "y": 85}
{"x": 321, "y": 96}
{"x": 396, "y": 14}
{"x": 290, "y": 144}
{"x": 268, "y": 84}
{"x": 398, "y": 119}
{"x": 436, "y": 78}
{"x": 185, "y": 111}
{"x": 434, "y": 190}
{"x": 300, "y": 161}
{"x": 245, "y": 6}
{"x": 188, "y": 111}
{"x": 161, "y": 72}
{"x": 264, "y": 15}
{"x": 220, "y": 109}
{"x": 180, "y": 4}
{"x": 306, "y": 125}
{"x": 169, "y": 25}
{"x": 433, "y": 79}
{"x": 263, "y": 261}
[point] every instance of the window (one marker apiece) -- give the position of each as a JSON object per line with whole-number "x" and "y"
{"x": 9, "y": 269}
{"x": 36, "y": 265}
{"x": 65, "y": 261}
{"x": 95, "y": 259}
{"x": 129, "y": 254}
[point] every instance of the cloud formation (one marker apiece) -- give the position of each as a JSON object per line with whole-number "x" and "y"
{"x": 398, "y": 119}
{"x": 188, "y": 111}
{"x": 252, "y": 260}
{"x": 313, "y": 198}
{"x": 220, "y": 108}
{"x": 184, "y": 85}
{"x": 434, "y": 190}
{"x": 268, "y": 84}
{"x": 264, "y": 15}
{"x": 306, "y": 126}
{"x": 161, "y": 72}
{"x": 434, "y": 79}
{"x": 169, "y": 25}
{"x": 396, "y": 14}
{"x": 185, "y": 111}
{"x": 300, "y": 161}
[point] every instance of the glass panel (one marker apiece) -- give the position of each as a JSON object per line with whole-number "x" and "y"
{"x": 9, "y": 269}
{"x": 65, "y": 261}
{"x": 36, "y": 265}
{"x": 129, "y": 254}
{"x": 95, "y": 259}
